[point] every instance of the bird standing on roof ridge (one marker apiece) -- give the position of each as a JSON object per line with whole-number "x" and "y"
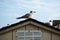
{"x": 28, "y": 15}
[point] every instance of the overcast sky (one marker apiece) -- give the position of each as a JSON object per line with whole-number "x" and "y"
{"x": 45, "y": 10}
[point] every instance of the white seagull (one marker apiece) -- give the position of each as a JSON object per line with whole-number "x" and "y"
{"x": 28, "y": 15}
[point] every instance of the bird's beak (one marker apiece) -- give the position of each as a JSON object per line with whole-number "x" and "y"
{"x": 33, "y": 12}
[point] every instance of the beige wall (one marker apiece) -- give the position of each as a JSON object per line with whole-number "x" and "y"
{"x": 55, "y": 37}
{"x": 6, "y": 36}
{"x": 46, "y": 35}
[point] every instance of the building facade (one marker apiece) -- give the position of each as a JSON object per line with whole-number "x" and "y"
{"x": 29, "y": 29}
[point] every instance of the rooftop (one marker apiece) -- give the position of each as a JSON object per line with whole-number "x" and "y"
{"x": 30, "y": 19}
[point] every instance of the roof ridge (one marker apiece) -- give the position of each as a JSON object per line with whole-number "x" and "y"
{"x": 29, "y": 19}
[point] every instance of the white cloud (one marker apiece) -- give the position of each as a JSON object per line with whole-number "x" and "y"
{"x": 48, "y": 7}
{"x": 10, "y": 15}
{"x": 45, "y": 7}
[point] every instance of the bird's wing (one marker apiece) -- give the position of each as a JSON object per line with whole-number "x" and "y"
{"x": 25, "y": 16}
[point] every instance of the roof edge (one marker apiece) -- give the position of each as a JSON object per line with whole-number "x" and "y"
{"x": 29, "y": 19}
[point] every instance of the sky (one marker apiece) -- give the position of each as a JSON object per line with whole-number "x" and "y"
{"x": 45, "y": 10}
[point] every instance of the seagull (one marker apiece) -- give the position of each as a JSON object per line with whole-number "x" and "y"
{"x": 28, "y": 15}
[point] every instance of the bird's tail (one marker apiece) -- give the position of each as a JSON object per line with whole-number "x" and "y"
{"x": 18, "y": 18}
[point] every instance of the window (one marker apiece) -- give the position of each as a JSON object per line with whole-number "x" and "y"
{"x": 28, "y": 35}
